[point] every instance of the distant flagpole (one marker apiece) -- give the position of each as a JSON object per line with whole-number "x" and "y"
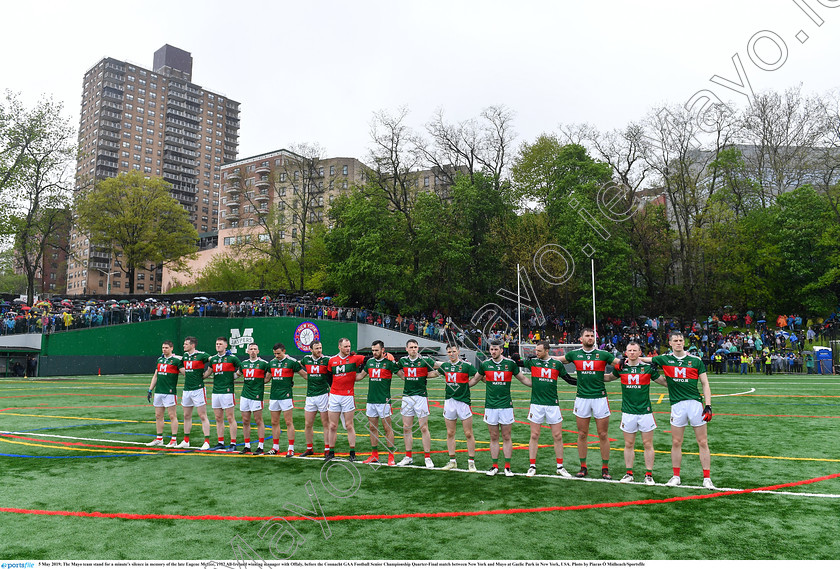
{"x": 594, "y": 319}
{"x": 518, "y": 309}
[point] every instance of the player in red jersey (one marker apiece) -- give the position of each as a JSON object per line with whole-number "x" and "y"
{"x": 344, "y": 368}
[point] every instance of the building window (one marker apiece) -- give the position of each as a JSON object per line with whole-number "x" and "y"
{"x": 344, "y": 170}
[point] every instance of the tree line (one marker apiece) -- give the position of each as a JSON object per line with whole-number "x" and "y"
{"x": 683, "y": 215}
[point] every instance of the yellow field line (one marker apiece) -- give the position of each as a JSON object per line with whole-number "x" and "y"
{"x": 5, "y": 413}
{"x": 62, "y": 447}
{"x": 733, "y": 455}
{"x": 661, "y": 397}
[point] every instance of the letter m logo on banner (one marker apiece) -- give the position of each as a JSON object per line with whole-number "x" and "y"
{"x": 588, "y": 366}
{"x": 633, "y": 378}
{"x": 498, "y": 376}
{"x": 680, "y": 372}
{"x": 249, "y": 372}
{"x": 545, "y": 372}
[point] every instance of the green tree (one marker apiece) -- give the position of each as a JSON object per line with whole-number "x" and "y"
{"x": 564, "y": 182}
{"x": 10, "y": 281}
{"x": 367, "y": 263}
{"x": 138, "y": 221}
{"x": 36, "y": 150}
{"x": 802, "y": 219}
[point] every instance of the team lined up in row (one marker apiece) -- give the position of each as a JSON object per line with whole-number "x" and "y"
{"x": 330, "y": 392}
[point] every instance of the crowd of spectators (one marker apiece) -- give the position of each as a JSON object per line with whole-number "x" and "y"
{"x": 726, "y": 341}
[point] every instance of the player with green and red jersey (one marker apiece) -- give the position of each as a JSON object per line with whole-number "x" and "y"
{"x": 456, "y": 375}
{"x": 255, "y": 374}
{"x": 498, "y": 373}
{"x": 545, "y": 404}
{"x": 636, "y": 413}
{"x": 344, "y": 368}
{"x": 283, "y": 369}
{"x": 164, "y": 384}
{"x": 415, "y": 370}
{"x": 591, "y": 399}
{"x": 318, "y": 381}
{"x": 682, "y": 372}
{"x": 223, "y": 366}
{"x": 380, "y": 371}
{"x": 194, "y": 363}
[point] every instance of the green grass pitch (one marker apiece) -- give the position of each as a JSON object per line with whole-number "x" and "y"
{"x": 77, "y": 483}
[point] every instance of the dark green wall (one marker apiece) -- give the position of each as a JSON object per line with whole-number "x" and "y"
{"x": 133, "y": 348}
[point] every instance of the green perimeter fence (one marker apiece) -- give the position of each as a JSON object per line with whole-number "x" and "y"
{"x": 134, "y": 348}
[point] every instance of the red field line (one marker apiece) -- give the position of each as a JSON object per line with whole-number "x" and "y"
{"x": 63, "y": 394}
{"x": 762, "y": 415}
{"x": 39, "y": 407}
{"x": 371, "y": 517}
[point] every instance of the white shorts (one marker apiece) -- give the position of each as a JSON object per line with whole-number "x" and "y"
{"x": 585, "y": 408}
{"x": 317, "y": 403}
{"x": 247, "y": 405}
{"x": 223, "y": 400}
{"x": 631, "y": 423}
{"x": 341, "y": 403}
{"x": 498, "y": 416}
{"x": 378, "y": 410}
{"x": 280, "y": 404}
{"x": 454, "y": 409}
{"x": 164, "y": 400}
{"x": 194, "y": 398}
{"x": 684, "y": 413}
{"x": 414, "y": 406}
{"x": 549, "y": 414}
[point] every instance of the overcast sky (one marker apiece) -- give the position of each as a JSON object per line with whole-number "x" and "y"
{"x": 315, "y": 71}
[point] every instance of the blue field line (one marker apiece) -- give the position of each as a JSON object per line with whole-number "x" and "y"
{"x": 72, "y": 426}
{"x": 83, "y": 456}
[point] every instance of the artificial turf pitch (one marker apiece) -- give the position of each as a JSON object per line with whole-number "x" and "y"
{"x": 77, "y": 483}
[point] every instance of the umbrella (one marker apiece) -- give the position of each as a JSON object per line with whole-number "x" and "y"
{"x": 67, "y": 304}
{"x": 721, "y": 351}
{"x": 90, "y": 303}
{"x": 761, "y": 321}
{"x": 123, "y": 302}
{"x": 247, "y": 298}
{"x": 266, "y": 298}
{"x": 150, "y": 300}
{"x": 24, "y": 307}
{"x": 18, "y": 301}
{"x": 134, "y": 300}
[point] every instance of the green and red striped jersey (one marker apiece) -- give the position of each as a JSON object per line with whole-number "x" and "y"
{"x": 457, "y": 377}
{"x": 194, "y": 365}
{"x": 224, "y": 367}
{"x": 498, "y": 377}
{"x": 167, "y": 374}
{"x": 635, "y": 388}
{"x": 416, "y": 372}
{"x": 544, "y": 375}
{"x": 318, "y": 375}
{"x": 254, "y": 373}
{"x": 682, "y": 375}
{"x": 282, "y": 377}
{"x": 590, "y": 367}
{"x": 380, "y": 372}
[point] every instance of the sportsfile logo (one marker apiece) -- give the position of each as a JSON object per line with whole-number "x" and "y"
{"x": 243, "y": 339}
